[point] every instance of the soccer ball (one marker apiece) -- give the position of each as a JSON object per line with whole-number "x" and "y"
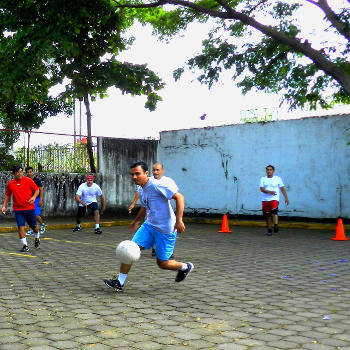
{"x": 128, "y": 252}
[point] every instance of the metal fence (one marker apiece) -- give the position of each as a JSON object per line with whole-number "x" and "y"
{"x": 57, "y": 158}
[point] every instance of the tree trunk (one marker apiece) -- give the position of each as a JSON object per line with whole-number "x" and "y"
{"x": 89, "y": 139}
{"x": 28, "y": 148}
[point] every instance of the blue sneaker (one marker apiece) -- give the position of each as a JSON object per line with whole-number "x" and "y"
{"x": 30, "y": 233}
{"x": 42, "y": 228}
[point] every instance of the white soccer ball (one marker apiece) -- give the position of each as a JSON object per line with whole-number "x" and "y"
{"x": 128, "y": 252}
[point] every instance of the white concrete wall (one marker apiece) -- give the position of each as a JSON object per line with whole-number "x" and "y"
{"x": 115, "y": 157}
{"x": 218, "y": 168}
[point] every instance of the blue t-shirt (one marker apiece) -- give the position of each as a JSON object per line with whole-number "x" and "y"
{"x": 155, "y": 198}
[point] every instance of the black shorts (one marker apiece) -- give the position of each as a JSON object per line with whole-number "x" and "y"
{"x": 26, "y": 215}
{"x": 82, "y": 209}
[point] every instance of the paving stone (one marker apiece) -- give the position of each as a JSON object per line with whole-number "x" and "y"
{"x": 148, "y": 345}
{"x": 231, "y": 346}
{"x": 282, "y": 344}
{"x": 248, "y": 306}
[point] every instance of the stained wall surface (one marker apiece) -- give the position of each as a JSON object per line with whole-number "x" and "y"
{"x": 115, "y": 158}
{"x": 218, "y": 168}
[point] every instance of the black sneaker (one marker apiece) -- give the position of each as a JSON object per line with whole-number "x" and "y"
{"x": 115, "y": 284}
{"x": 76, "y": 229}
{"x": 269, "y": 232}
{"x": 275, "y": 229}
{"x": 24, "y": 249}
{"x": 98, "y": 231}
{"x": 37, "y": 243}
{"x": 153, "y": 252}
{"x": 181, "y": 275}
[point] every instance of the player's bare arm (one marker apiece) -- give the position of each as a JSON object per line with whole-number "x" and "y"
{"x": 262, "y": 189}
{"x": 103, "y": 206}
{"x": 6, "y": 200}
{"x": 136, "y": 223}
{"x": 132, "y": 205}
{"x": 41, "y": 196}
{"x": 78, "y": 199}
{"x": 31, "y": 200}
{"x": 180, "y": 205}
{"x": 284, "y": 192}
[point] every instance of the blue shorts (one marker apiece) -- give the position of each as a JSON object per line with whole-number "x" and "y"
{"x": 37, "y": 208}
{"x": 26, "y": 215}
{"x": 146, "y": 236}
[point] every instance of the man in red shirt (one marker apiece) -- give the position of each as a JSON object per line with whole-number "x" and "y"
{"x": 23, "y": 191}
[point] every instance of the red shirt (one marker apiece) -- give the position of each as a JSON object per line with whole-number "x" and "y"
{"x": 21, "y": 191}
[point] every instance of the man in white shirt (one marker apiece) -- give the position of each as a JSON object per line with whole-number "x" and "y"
{"x": 160, "y": 227}
{"x": 86, "y": 196}
{"x": 270, "y": 186}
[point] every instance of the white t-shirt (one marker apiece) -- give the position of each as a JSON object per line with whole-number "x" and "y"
{"x": 155, "y": 198}
{"x": 88, "y": 194}
{"x": 273, "y": 183}
{"x": 164, "y": 180}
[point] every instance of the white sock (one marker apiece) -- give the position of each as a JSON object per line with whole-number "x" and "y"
{"x": 23, "y": 241}
{"x": 97, "y": 225}
{"x": 122, "y": 277}
{"x": 37, "y": 235}
{"x": 78, "y": 225}
{"x": 184, "y": 267}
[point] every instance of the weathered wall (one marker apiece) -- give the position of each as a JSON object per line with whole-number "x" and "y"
{"x": 218, "y": 168}
{"x": 59, "y": 191}
{"x": 116, "y": 156}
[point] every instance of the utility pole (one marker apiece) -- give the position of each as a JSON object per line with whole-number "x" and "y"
{"x": 75, "y": 128}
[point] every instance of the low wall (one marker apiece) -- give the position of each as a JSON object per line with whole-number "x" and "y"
{"x": 59, "y": 192}
{"x": 218, "y": 168}
{"x": 115, "y": 158}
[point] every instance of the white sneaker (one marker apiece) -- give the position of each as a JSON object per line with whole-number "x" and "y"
{"x": 30, "y": 233}
{"x": 42, "y": 228}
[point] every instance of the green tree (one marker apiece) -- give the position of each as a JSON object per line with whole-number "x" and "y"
{"x": 265, "y": 44}
{"x": 79, "y": 41}
{"x": 25, "y": 81}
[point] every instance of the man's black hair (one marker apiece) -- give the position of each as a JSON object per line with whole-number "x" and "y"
{"x": 270, "y": 166}
{"x": 16, "y": 168}
{"x": 143, "y": 165}
{"x": 28, "y": 168}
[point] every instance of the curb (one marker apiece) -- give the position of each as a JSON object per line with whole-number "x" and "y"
{"x": 297, "y": 225}
{"x": 71, "y": 226}
{"x": 247, "y": 223}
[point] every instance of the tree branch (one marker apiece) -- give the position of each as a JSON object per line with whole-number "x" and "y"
{"x": 186, "y": 4}
{"x": 343, "y": 28}
{"x": 319, "y": 59}
{"x": 154, "y": 4}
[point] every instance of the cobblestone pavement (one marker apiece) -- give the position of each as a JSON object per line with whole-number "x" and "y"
{"x": 248, "y": 291}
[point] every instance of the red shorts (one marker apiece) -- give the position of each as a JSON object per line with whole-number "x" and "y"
{"x": 270, "y": 207}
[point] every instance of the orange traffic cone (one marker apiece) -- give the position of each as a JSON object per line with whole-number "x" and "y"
{"x": 339, "y": 232}
{"x": 224, "y": 225}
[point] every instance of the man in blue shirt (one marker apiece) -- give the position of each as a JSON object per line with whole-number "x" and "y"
{"x": 159, "y": 228}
